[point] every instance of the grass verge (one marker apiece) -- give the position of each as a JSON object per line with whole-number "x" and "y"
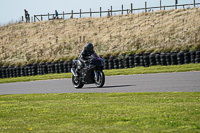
{"x": 101, "y": 112}
{"x": 129, "y": 71}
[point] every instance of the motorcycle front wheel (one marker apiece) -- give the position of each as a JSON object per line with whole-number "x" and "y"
{"x": 77, "y": 82}
{"x": 100, "y": 80}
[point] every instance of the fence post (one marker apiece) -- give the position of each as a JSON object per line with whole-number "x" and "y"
{"x": 111, "y": 10}
{"x": 100, "y": 11}
{"x": 145, "y": 6}
{"x": 122, "y": 9}
{"x": 48, "y": 16}
{"x": 41, "y": 17}
{"x": 131, "y": 8}
{"x": 160, "y": 5}
{"x": 72, "y": 14}
{"x": 176, "y": 2}
{"x": 90, "y": 12}
{"x": 34, "y": 18}
{"x": 22, "y": 19}
{"x": 63, "y": 15}
{"x": 194, "y": 3}
{"x": 80, "y": 13}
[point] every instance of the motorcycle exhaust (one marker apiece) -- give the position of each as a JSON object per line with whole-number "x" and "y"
{"x": 73, "y": 71}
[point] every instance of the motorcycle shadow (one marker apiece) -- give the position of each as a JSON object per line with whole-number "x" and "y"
{"x": 114, "y": 86}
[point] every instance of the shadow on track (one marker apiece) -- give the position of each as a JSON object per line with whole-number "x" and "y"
{"x": 116, "y": 86}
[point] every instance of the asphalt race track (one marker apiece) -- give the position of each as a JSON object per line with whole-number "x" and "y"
{"x": 163, "y": 82}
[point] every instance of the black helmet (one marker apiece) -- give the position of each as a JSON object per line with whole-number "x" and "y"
{"x": 89, "y": 48}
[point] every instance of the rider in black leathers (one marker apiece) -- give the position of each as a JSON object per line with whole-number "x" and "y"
{"x": 86, "y": 53}
{"x": 84, "y": 56}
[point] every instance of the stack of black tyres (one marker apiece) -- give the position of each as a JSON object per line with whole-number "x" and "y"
{"x": 180, "y": 58}
{"x": 168, "y": 59}
{"x": 0, "y": 73}
{"x": 61, "y": 68}
{"x": 49, "y": 67}
{"x": 111, "y": 63}
{"x": 121, "y": 63}
{"x": 22, "y": 71}
{"x": 69, "y": 65}
{"x": 26, "y": 71}
{"x": 29, "y": 70}
{"x": 152, "y": 58}
{"x": 65, "y": 67}
{"x": 4, "y": 72}
{"x": 158, "y": 59}
{"x": 56, "y": 68}
{"x": 131, "y": 61}
{"x": 106, "y": 63}
{"x": 141, "y": 62}
{"x": 146, "y": 58}
{"x": 14, "y": 72}
{"x": 116, "y": 64}
{"x": 137, "y": 60}
{"x": 174, "y": 59}
{"x": 197, "y": 60}
{"x": 126, "y": 62}
{"x": 10, "y": 72}
{"x": 192, "y": 56}
{"x": 187, "y": 56}
{"x": 163, "y": 59}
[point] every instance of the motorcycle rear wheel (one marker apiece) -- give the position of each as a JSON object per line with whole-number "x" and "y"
{"x": 101, "y": 81}
{"x": 77, "y": 82}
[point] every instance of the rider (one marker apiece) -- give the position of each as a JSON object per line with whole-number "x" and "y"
{"x": 85, "y": 54}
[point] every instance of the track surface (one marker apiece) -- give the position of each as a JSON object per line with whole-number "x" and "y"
{"x": 164, "y": 82}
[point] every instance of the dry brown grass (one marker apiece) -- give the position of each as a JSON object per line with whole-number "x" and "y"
{"x": 162, "y": 31}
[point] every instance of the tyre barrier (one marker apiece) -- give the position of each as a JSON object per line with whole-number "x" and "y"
{"x": 137, "y": 60}
{"x": 106, "y": 64}
{"x": 146, "y": 60}
{"x": 0, "y": 73}
{"x": 197, "y": 59}
{"x": 116, "y": 64}
{"x": 131, "y": 61}
{"x": 192, "y": 56}
{"x": 141, "y": 62}
{"x": 174, "y": 59}
{"x": 110, "y": 63}
{"x": 163, "y": 59}
{"x": 69, "y": 64}
{"x": 61, "y": 67}
{"x": 121, "y": 65}
{"x": 127, "y": 62}
{"x": 158, "y": 59}
{"x": 180, "y": 58}
{"x": 65, "y": 67}
{"x": 152, "y": 58}
{"x": 187, "y": 59}
{"x": 168, "y": 59}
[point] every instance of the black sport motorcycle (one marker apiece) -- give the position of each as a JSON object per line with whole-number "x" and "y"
{"x": 90, "y": 72}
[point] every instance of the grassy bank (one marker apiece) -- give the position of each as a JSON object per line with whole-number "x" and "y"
{"x": 47, "y": 41}
{"x": 129, "y": 71}
{"x": 101, "y": 112}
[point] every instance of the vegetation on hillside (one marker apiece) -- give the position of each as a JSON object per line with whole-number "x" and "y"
{"x": 161, "y": 31}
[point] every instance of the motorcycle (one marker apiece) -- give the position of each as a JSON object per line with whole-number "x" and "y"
{"x": 90, "y": 72}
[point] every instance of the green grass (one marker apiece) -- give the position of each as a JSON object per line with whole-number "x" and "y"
{"x": 101, "y": 112}
{"x": 129, "y": 71}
